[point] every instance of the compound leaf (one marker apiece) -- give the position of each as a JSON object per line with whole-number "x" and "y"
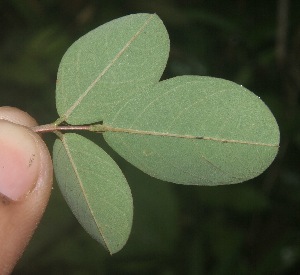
{"x": 95, "y": 189}
{"x": 195, "y": 130}
{"x": 108, "y": 65}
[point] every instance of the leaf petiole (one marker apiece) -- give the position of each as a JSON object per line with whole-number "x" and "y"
{"x": 48, "y": 128}
{"x": 100, "y": 128}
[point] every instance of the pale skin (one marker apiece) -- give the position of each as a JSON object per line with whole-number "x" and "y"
{"x": 26, "y": 174}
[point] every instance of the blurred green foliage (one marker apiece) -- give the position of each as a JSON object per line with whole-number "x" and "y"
{"x": 249, "y": 228}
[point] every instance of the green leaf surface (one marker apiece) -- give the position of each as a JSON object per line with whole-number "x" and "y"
{"x": 95, "y": 189}
{"x": 108, "y": 65}
{"x": 195, "y": 130}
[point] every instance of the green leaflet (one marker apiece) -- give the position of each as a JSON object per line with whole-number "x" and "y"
{"x": 196, "y": 130}
{"x": 188, "y": 129}
{"x": 95, "y": 189}
{"x": 108, "y": 65}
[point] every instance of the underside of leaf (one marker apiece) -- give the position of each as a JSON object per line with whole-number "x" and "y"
{"x": 196, "y": 130}
{"x": 108, "y": 65}
{"x": 95, "y": 189}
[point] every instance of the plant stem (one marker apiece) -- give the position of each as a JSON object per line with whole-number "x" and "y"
{"x": 54, "y": 128}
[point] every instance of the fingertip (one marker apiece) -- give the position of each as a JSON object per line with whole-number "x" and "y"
{"x": 17, "y": 116}
{"x": 25, "y": 161}
{"x": 25, "y": 158}
{"x": 19, "y": 161}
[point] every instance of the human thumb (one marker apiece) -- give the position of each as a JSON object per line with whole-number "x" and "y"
{"x": 25, "y": 183}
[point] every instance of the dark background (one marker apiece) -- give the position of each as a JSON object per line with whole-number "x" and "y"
{"x": 248, "y": 228}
